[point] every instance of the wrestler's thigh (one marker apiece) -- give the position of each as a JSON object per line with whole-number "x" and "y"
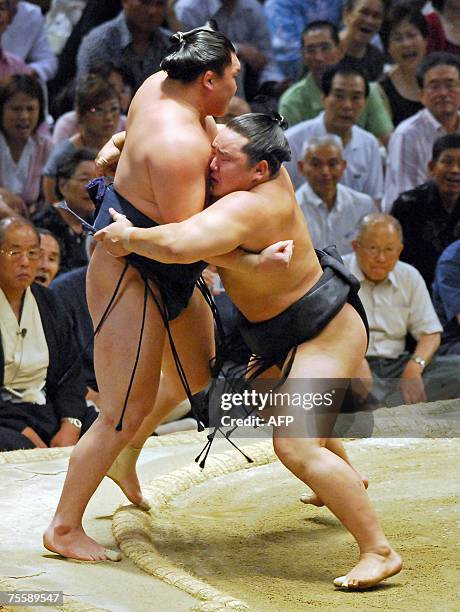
{"x": 193, "y": 335}
{"x": 116, "y": 344}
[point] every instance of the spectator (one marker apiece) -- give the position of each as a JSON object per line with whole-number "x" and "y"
{"x": 363, "y": 20}
{"x": 302, "y": 101}
{"x": 26, "y": 38}
{"x": 135, "y": 37}
{"x": 98, "y": 112}
{"x": 72, "y": 176}
{"x": 236, "y": 107}
{"x": 23, "y": 150}
{"x": 9, "y": 62}
{"x": 42, "y": 395}
{"x": 444, "y": 26}
{"x": 430, "y": 213}
{"x": 50, "y": 258}
{"x": 410, "y": 145}
{"x": 244, "y": 23}
{"x": 119, "y": 78}
{"x": 397, "y": 302}
{"x": 286, "y": 21}
{"x": 446, "y": 298}
{"x": 404, "y": 36}
{"x": 344, "y": 93}
{"x": 332, "y": 211}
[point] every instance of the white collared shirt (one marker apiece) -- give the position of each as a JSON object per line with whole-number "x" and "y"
{"x": 398, "y": 305}
{"x": 364, "y": 171}
{"x": 338, "y": 225}
{"x": 409, "y": 151}
{"x": 14, "y": 175}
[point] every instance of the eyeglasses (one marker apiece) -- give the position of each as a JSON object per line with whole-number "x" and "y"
{"x": 374, "y": 251}
{"x": 98, "y": 111}
{"x": 438, "y": 85}
{"x": 16, "y": 254}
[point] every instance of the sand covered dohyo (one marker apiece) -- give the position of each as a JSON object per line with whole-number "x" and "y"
{"x": 246, "y": 534}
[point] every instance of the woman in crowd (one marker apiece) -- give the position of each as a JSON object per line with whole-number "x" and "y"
{"x": 118, "y": 77}
{"x": 72, "y": 176}
{"x": 404, "y": 35}
{"x": 362, "y": 20}
{"x": 42, "y": 392}
{"x": 50, "y": 258}
{"x": 98, "y": 111}
{"x": 23, "y": 150}
{"x": 444, "y": 26}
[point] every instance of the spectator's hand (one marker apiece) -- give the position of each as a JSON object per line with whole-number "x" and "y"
{"x": 107, "y": 159}
{"x": 275, "y": 257}
{"x": 251, "y": 55}
{"x": 362, "y": 382}
{"x": 33, "y": 436}
{"x": 112, "y": 235}
{"x": 210, "y": 277}
{"x": 13, "y": 201}
{"x": 67, "y": 435}
{"x": 411, "y": 384}
{"x": 92, "y": 396}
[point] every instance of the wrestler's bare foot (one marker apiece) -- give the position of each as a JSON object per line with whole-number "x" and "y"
{"x": 75, "y": 544}
{"x": 372, "y": 568}
{"x": 315, "y": 500}
{"x": 123, "y": 473}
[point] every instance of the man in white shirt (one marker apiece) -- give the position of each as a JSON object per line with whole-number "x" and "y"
{"x": 344, "y": 96}
{"x": 397, "y": 302}
{"x": 332, "y": 211}
{"x": 409, "y": 150}
{"x": 26, "y": 38}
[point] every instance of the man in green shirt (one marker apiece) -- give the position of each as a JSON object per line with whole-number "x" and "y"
{"x": 302, "y": 101}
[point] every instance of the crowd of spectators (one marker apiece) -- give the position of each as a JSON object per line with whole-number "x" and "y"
{"x": 371, "y": 92}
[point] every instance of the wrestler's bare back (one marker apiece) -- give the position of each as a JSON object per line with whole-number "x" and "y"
{"x": 275, "y": 209}
{"x": 160, "y": 130}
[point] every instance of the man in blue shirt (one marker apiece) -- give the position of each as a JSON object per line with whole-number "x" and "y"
{"x": 446, "y": 298}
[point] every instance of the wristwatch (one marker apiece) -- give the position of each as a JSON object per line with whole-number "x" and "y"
{"x": 421, "y": 362}
{"x": 72, "y": 421}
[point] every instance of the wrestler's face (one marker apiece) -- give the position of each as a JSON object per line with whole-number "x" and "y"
{"x": 229, "y": 169}
{"x": 323, "y": 167}
{"x": 223, "y": 88}
{"x": 19, "y": 258}
{"x": 50, "y": 256}
{"x": 446, "y": 173}
{"x": 74, "y": 188}
{"x": 378, "y": 251}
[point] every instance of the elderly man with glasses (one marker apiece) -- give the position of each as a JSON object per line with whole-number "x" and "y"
{"x": 397, "y": 303}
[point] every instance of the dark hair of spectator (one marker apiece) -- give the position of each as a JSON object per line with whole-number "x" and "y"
{"x": 342, "y": 69}
{"x": 45, "y": 232}
{"x": 350, "y": 5}
{"x": 196, "y": 51}
{"x": 438, "y": 5}
{"x": 104, "y": 69}
{"x": 322, "y": 25}
{"x": 66, "y": 169}
{"x": 266, "y": 139}
{"x": 450, "y": 141}
{"x": 437, "y": 58}
{"x": 91, "y": 91}
{"x": 12, "y": 222}
{"x": 25, "y": 84}
{"x": 398, "y": 14}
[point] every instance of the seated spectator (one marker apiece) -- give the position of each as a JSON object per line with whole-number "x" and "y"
{"x": 332, "y": 211}
{"x": 134, "y": 37}
{"x": 9, "y": 62}
{"x": 98, "y": 111}
{"x": 410, "y": 146}
{"x": 26, "y": 38}
{"x": 363, "y": 20}
{"x": 404, "y": 36}
{"x": 236, "y": 107}
{"x": 344, "y": 96}
{"x": 50, "y": 258}
{"x": 244, "y": 23}
{"x": 23, "y": 150}
{"x": 446, "y": 298}
{"x": 444, "y": 26}
{"x": 286, "y": 22}
{"x": 42, "y": 396}
{"x": 397, "y": 302}
{"x": 120, "y": 79}
{"x": 72, "y": 177}
{"x": 302, "y": 101}
{"x": 430, "y": 213}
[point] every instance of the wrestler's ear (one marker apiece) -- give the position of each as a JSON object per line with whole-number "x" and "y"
{"x": 261, "y": 171}
{"x": 207, "y": 79}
